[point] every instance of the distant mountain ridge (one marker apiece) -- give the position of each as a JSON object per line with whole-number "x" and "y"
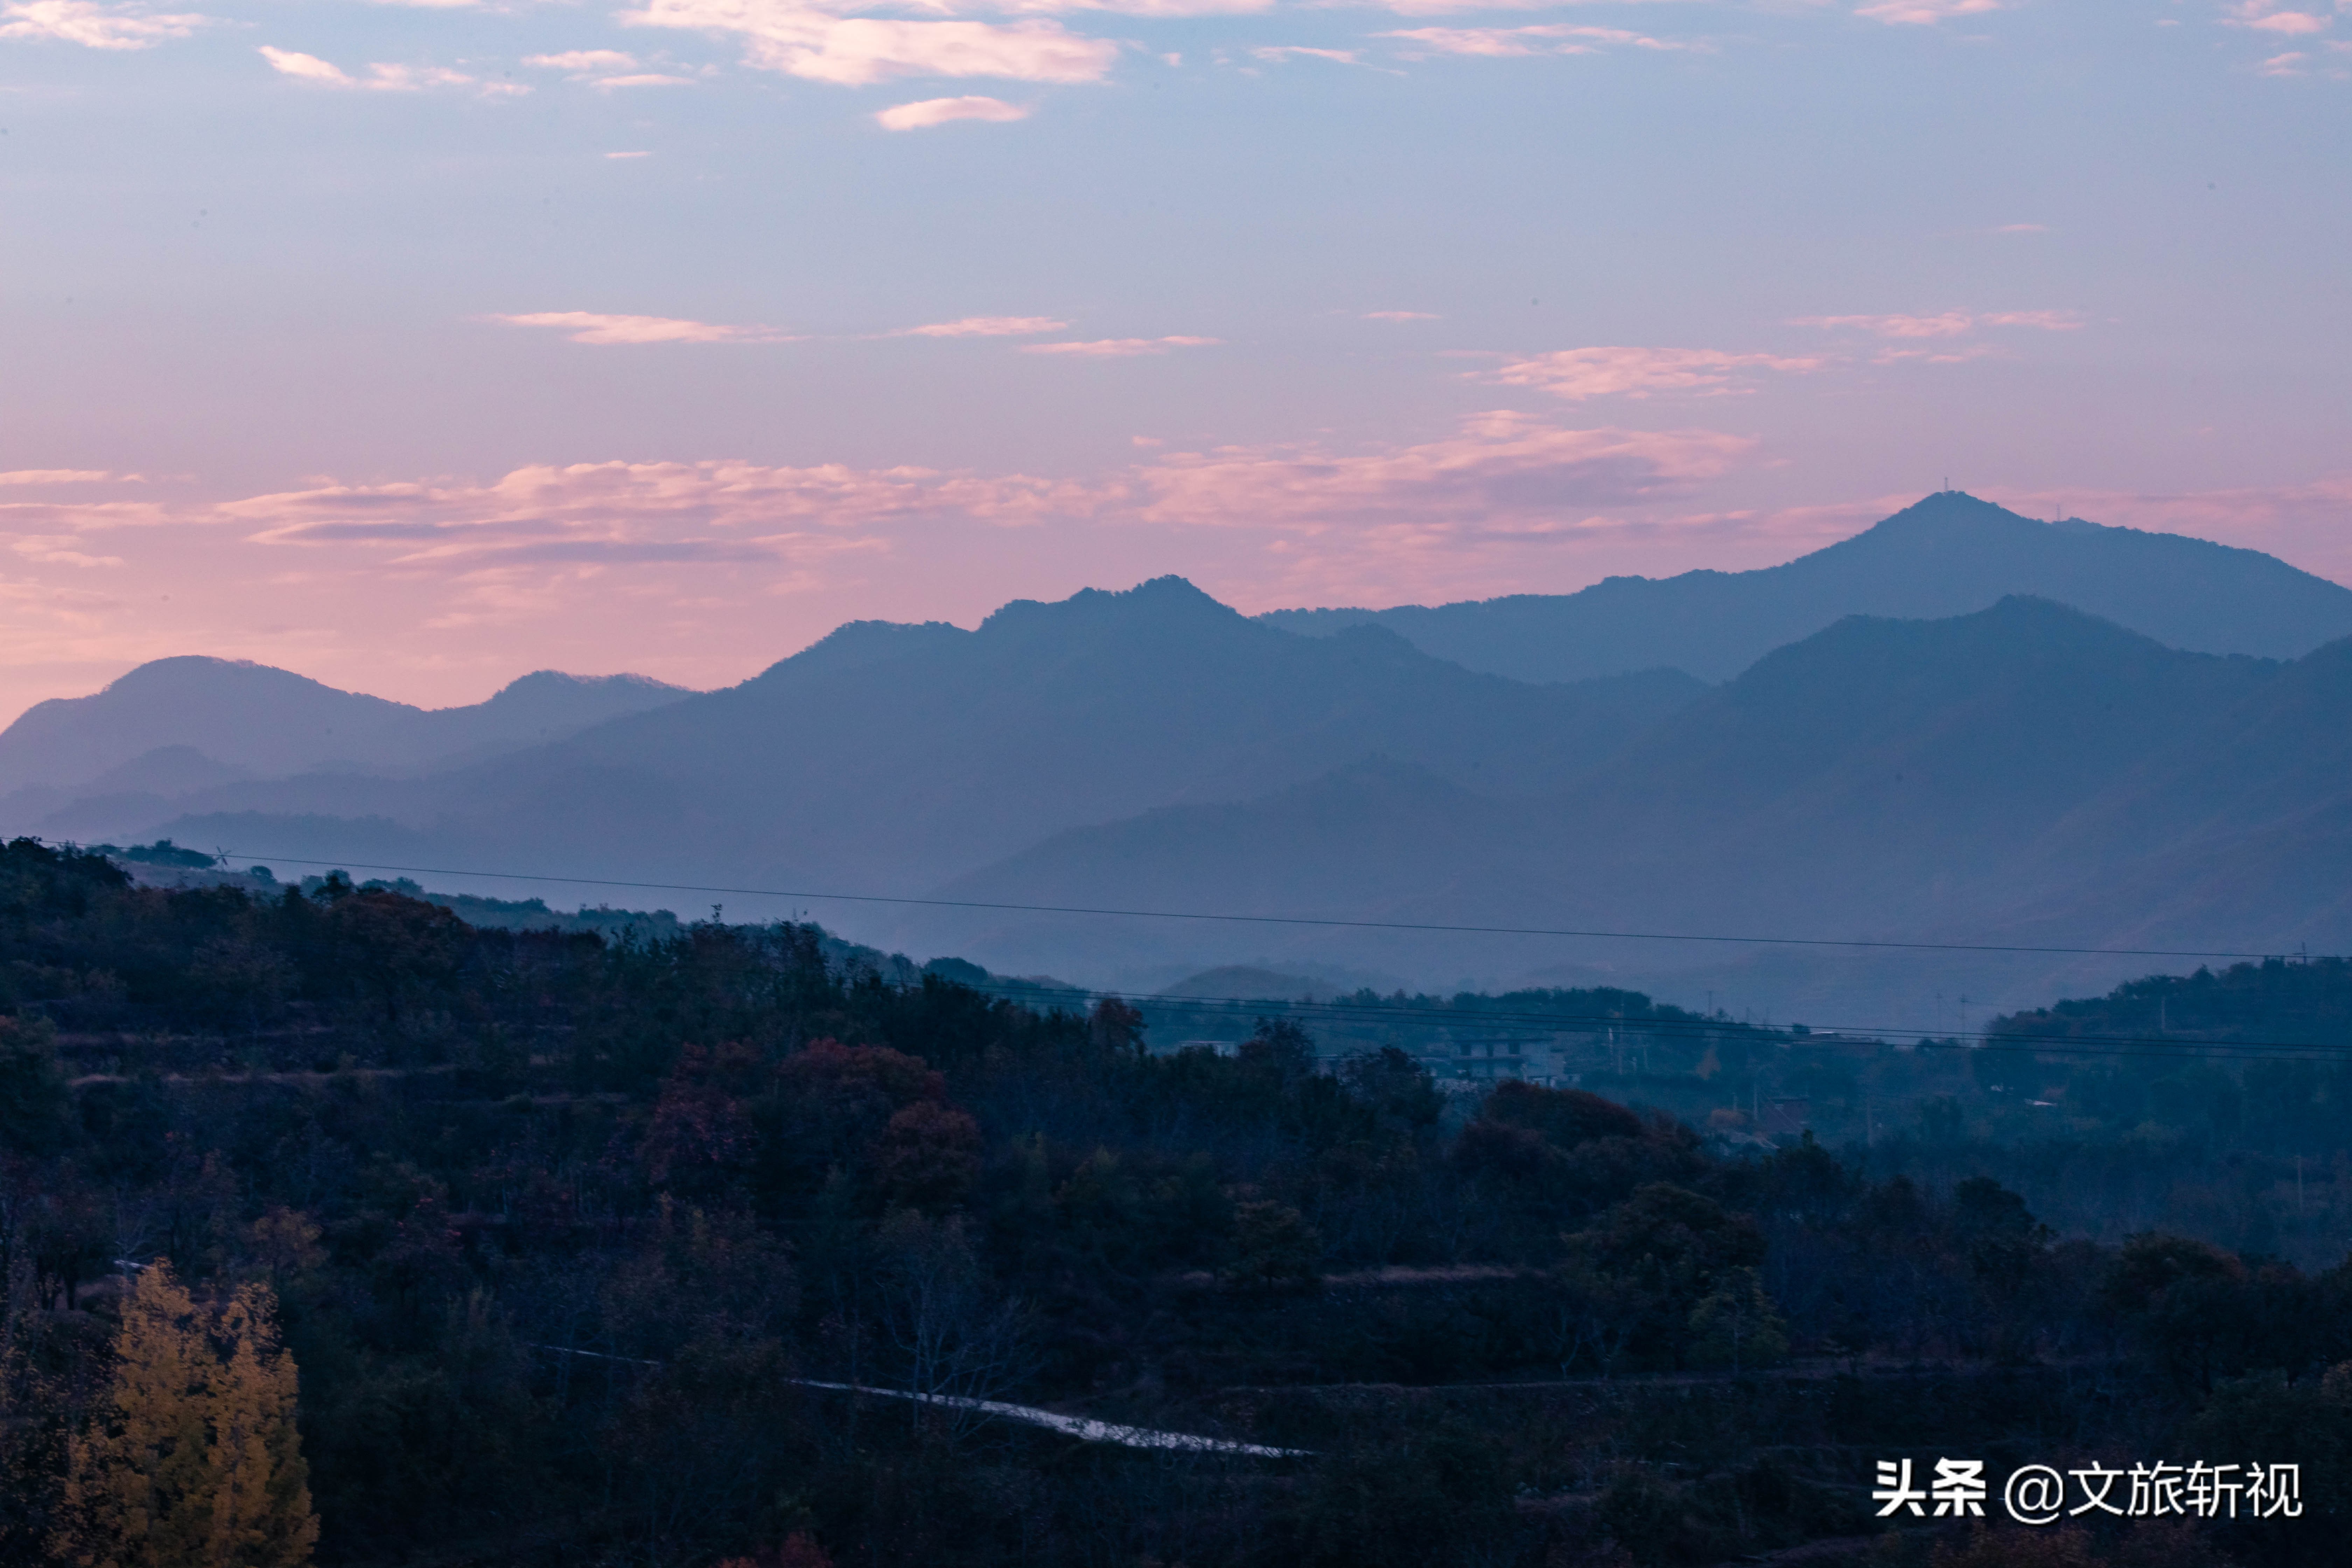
{"x": 2026, "y": 775}
{"x": 891, "y": 757}
{"x": 1949, "y": 554}
{"x": 197, "y": 719}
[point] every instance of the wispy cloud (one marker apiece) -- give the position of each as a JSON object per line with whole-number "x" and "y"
{"x": 1279, "y": 54}
{"x": 1639, "y": 373}
{"x": 1501, "y": 471}
{"x": 1402, "y": 316}
{"x": 932, "y": 111}
{"x": 590, "y": 327}
{"x": 1502, "y": 43}
{"x": 93, "y": 26}
{"x": 55, "y": 477}
{"x": 1451, "y": 7}
{"x": 606, "y": 69}
{"x": 1947, "y": 324}
{"x": 800, "y": 39}
{"x": 1119, "y": 348}
{"x": 1165, "y": 10}
{"x": 984, "y": 327}
{"x": 633, "y": 512}
{"x": 2264, "y": 17}
{"x": 1925, "y": 13}
{"x": 380, "y": 78}
{"x": 584, "y": 62}
{"x": 58, "y": 549}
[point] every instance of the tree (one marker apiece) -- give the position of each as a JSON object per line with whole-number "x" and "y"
{"x": 1736, "y": 1325}
{"x": 193, "y": 1460}
{"x": 35, "y": 1109}
{"x": 1273, "y": 1250}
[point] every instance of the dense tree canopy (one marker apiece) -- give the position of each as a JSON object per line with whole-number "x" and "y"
{"x": 580, "y": 1245}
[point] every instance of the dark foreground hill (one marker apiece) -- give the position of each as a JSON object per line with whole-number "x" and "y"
{"x": 483, "y": 1247}
{"x": 1947, "y": 555}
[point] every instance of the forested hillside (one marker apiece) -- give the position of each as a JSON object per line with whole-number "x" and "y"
{"x": 574, "y": 1243}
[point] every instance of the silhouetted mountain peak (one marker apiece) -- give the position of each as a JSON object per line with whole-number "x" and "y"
{"x": 1945, "y": 555}
{"x": 1170, "y": 603}
{"x": 551, "y": 695}
{"x": 2011, "y": 639}
{"x": 183, "y": 674}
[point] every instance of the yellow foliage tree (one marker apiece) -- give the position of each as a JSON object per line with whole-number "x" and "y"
{"x": 193, "y": 1460}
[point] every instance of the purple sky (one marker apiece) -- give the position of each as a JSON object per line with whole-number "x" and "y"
{"x": 417, "y": 347}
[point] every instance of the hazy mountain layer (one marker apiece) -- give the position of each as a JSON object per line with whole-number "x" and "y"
{"x": 885, "y": 758}
{"x": 176, "y": 724}
{"x": 1949, "y": 554}
{"x": 2025, "y": 774}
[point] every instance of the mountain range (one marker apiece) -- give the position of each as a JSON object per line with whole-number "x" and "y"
{"x": 248, "y": 720}
{"x": 2020, "y": 772}
{"x": 1947, "y": 555}
{"x": 2027, "y": 775}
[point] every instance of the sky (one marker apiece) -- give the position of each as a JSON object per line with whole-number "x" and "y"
{"x": 416, "y": 346}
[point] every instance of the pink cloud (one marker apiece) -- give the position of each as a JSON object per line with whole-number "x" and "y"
{"x": 1160, "y": 9}
{"x": 583, "y": 61}
{"x": 1449, "y": 7}
{"x": 2043, "y": 320}
{"x": 800, "y": 39}
{"x": 620, "y": 512}
{"x": 1924, "y": 13}
{"x": 1276, "y": 54}
{"x": 380, "y": 78}
{"x": 589, "y": 327}
{"x": 1949, "y": 324}
{"x": 1503, "y": 470}
{"x": 2260, "y": 16}
{"x": 1402, "y": 316}
{"x": 54, "y": 476}
{"x": 1495, "y": 43}
{"x": 1119, "y": 348}
{"x": 58, "y": 549}
{"x": 984, "y": 327}
{"x": 1579, "y": 373}
{"x": 940, "y": 111}
{"x": 92, "y": 26}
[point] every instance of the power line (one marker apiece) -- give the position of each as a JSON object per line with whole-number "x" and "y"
{"x": 1262, "y": 919}
{"x": 2010, "y": 1041}
{"x": 2006, "y": 1041}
